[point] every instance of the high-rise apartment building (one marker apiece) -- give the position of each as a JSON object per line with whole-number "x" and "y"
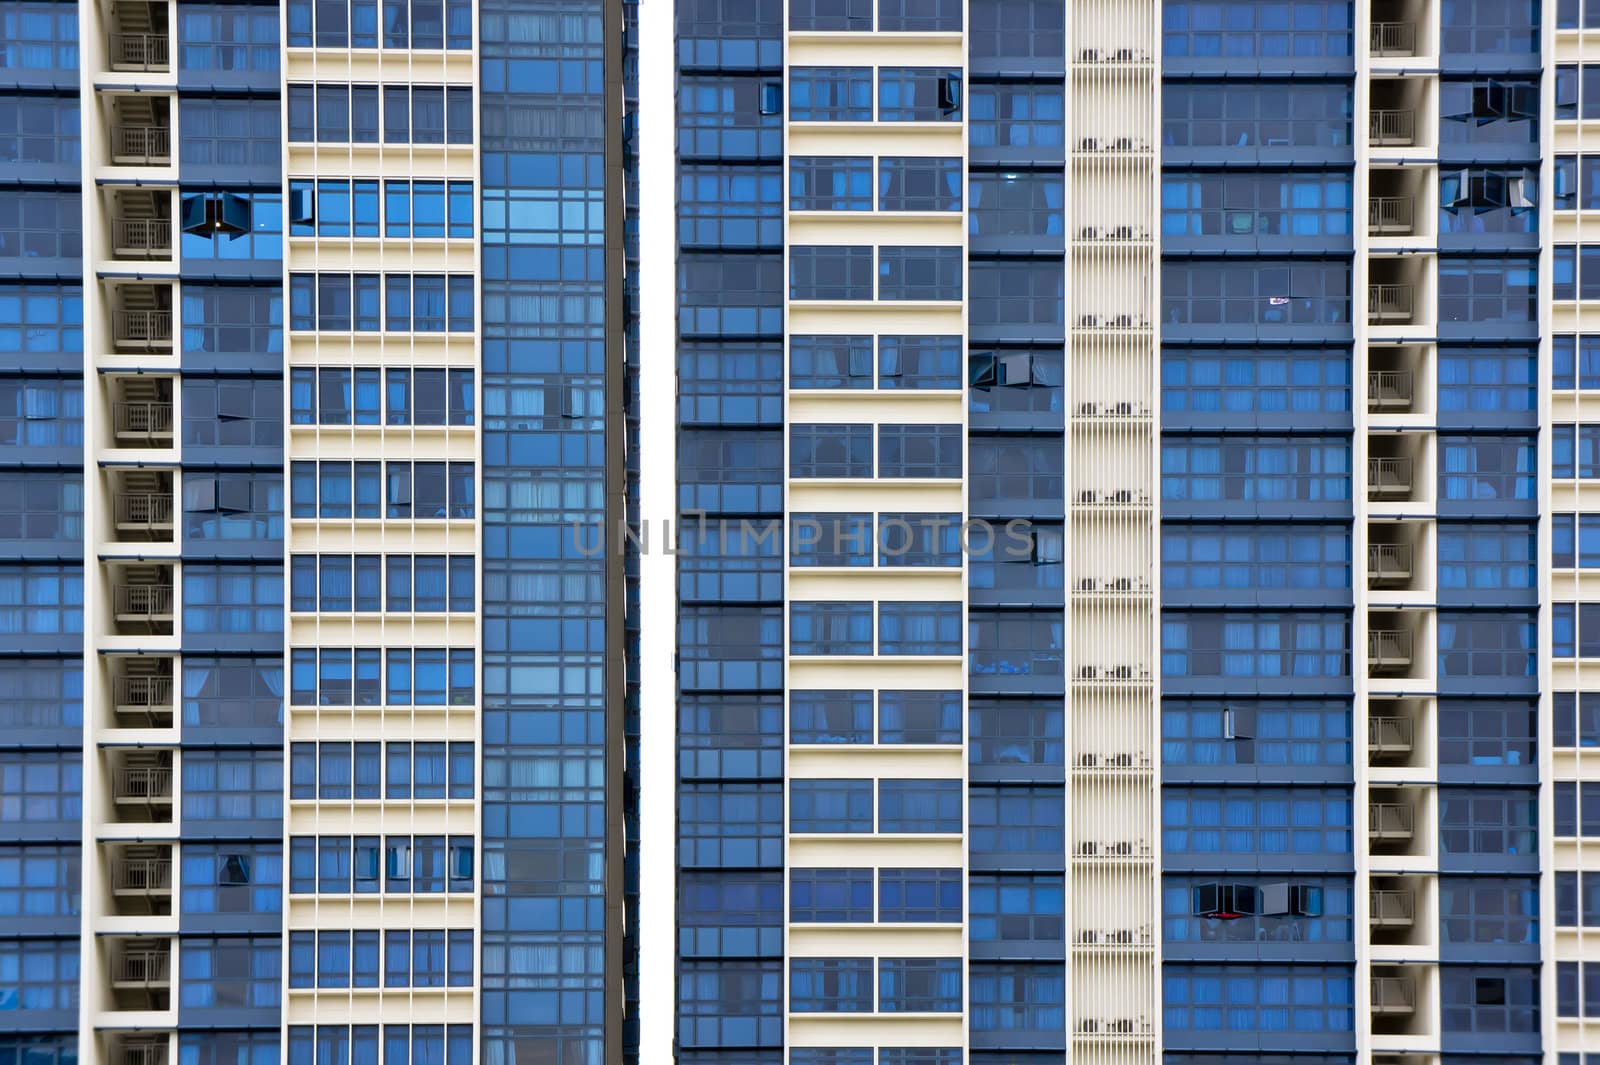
{"x": 314, "y": 712}
{"x": 1127, "y": 463}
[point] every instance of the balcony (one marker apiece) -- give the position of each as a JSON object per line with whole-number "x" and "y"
{"x": 1391, "y": 304}
{"x": 142, "y": 785}
{"x": 141, "y": 881}
{"x": 1392, "y": 127}
{"x": 1391, "y": 908}
{"x": 138, "y": 1051}
{"x": 1388, "y": 477}
{"x": 1388, "y": 565}
{"x": 133, "y": 145}
{"x": 142, "y": 691}
{"x": 138, "y": 39}
{"x": 142, "y": 606}
{"x": 1390, "y": 822}
{"x": 1390, "y": 215}
{"x": 1388, "y": 390}
{"x": 142, "y": 422}
{"x": 1389, "y": 650}
{"x": 142, "y": 238}
{"x": 139, "y": 51}
{"x": 1393, "y": 39}
{"x": 1390, "y": 738}
{"x": 1393, "y": 995}
{"x": 141, "y": 974}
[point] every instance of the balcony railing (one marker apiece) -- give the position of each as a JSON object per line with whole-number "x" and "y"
{"x": 150, "y": 238}
{"x": 141, "y": 145}
{"x": 1390, "y": 303}
{"x": 1393, "y": 994}
{"x": 1388, "y": 648}
{"x": 142, "y": 783}
{"x": 142, "y": 968}
{"x": 1394, "y": 38}
{"x": 152, "y": 692}
{"x": 150, "y": 328}
{"x": 143, "y": 418}
{"x": 1392, "y": 126}
{"x": 1392, "y": 908}
{"x": 141, "y": 876}
{"x": 1390, "y": 735}
{"x": 1388, "y": 390}
{"x": 1388, "y": 562}
{"x": 141, "y": 1054}
{"x": 1388, "y": 476}
{"x": 1389, "y": 214}
{"x": 144, "y": 600}
{"x": 139, "y": 51}
{"x": 1390, "y": 820}
{"x": 144, "y": 508}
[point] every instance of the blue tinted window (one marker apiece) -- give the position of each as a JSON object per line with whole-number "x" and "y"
{"x": 917, "y": 628}
{"x": 38, "y": 129}
{"x": 830, "y": 806}
{"x": 1250, "y": 205}
{"x": 919, "y": 94}
{"x": 1018, "y": 997}
{"x": 1486, "y": 645}
{"x": 1205, "y": 29}
{"x": 830, "y": 985}
{"x": 922, "y": 183}
{"x": 1261, "y": 820}
{"x": 830, "y": 895}
{"x": 1261, "y": 557}
{"x": 1207, "y": 292}
{"x": 229, "y": 973}
{"x": 919, "y": 806}
{"x": 1280, "y": 732}
{"x": 38, "y": 37}
{"x": 919, "y": 273}
{"x": 232, "y": 785}
{"x": 39, "y": 223}
{"x": 1484, "y": 110}
{"x": 232, "y": 878}
{"x": 830, "y": 717}
{"x": 919, "y": 985}
{"x": 1300, "y": 998}
{"x": 41, "y": 599}
{"x": 225, "y": 37}
{"x": 1254, "y": 645}
{"x": 1478, "y": 379}
{"x": 920, "y": 896}
{"x": 1262, "y": 469}
{"x": 1248, "y": 115}
{"x": 818, "y": 183}
{"x": 224, "y": 134}
{"x": 1486, "y": 468}
{"x": 831, "y": 94}
{"x": 1018, "y": 115}
{"x": 1487, "y": 289}
{"x": 1487, "y": 556}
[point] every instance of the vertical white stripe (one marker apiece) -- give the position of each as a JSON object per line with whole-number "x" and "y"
{"x": 658, "y": 682}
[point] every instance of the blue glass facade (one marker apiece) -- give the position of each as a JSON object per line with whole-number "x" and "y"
{"x": 41, "y": 535}
{"x": 730, "y": 360}
{"x": 551, "y": 119}
{"x": 1257, "y": 496}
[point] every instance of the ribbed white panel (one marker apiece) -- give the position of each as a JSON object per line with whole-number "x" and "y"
{"x": 1112, "y": 101}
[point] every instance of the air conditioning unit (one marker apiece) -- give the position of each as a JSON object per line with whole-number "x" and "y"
{"x": 1124, "y": 408}
{"x": 1086, "y": 495}
{"x": 1122, "y": 321}
{"x": 1120, "y": 761}
{"x": 1122, "y": 233}
{"x": 1088, "y": 761}
{"x": 1088, "y": 672}
{"x": 1088, "y": 233}
{"x": 1122, "y": 1026}
{"x": 1122, "y": 584}
{"x": 1088, "y": 321}
{"x": 1122, "y": 495}
{"x": 1089, "y": 1027}
{"x": 1121, "y": 849}
{"x": 1088, "y": 848}
{"x": 1088, "y": 144}
{"x": 1086, "y": 408}
{"x": 1088, "y": 935}
{"x": 1088, "y": 584}
{"x": 1123, "y": 55}
{"x": 1089, "y": 55}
